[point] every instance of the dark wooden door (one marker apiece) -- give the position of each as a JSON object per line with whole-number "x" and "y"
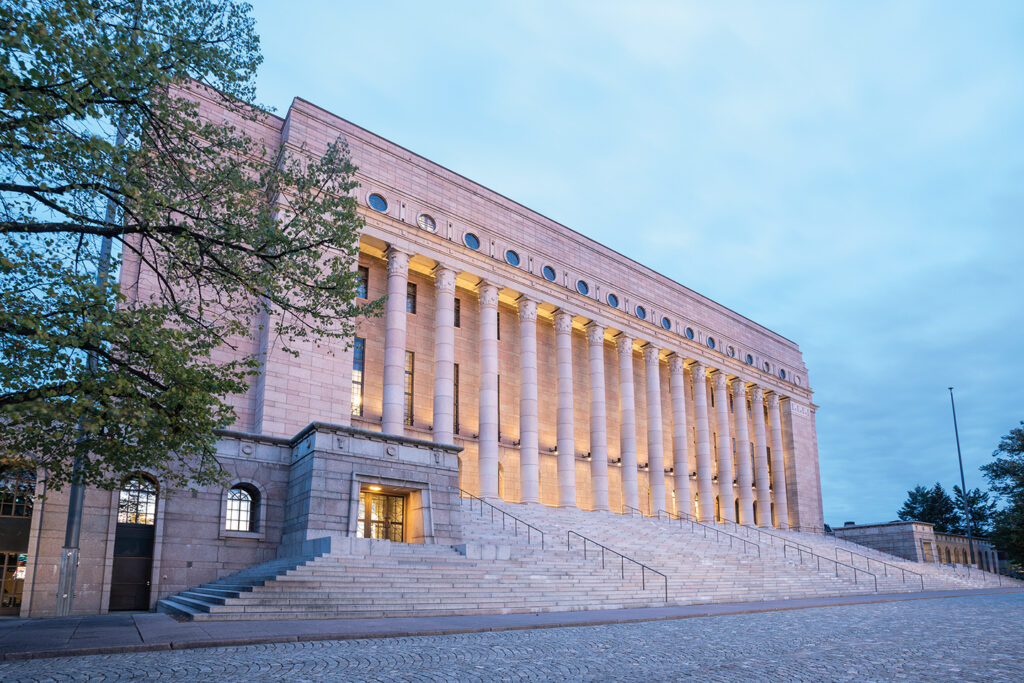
{"x": 133, "y": 567}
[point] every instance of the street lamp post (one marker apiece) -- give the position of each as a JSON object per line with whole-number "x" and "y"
{"x": 963, "y": 486}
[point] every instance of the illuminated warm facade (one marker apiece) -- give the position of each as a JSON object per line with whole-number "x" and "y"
{"x": 516, "y": 359}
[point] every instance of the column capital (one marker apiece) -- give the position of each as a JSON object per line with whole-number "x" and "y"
{"x": 720, "y": 380}
{"x": 488, "y": 294}
{"x": 739, "y": 387}
{"x": 698, "y": 369}
{"x": 398, "y": 261}
{"x": 652, "y": 354}
{"x": 563, "y": 321}
{"x": 756, "y": 393}
{"x": 595, "y": 333}
{"x": 527, "y": 309}
{"x": 444, "y": 278}
{"x": 676, "y": 364}
{"x": 624, "y": 344}
{"x": 773, "y": 400}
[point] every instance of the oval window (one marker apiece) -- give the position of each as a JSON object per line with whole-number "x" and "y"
{"x": 377, "y": 203}
{"x": 582, "y": 287}
{"x": 732, "y": 352}
{"x": 767, "y": 366}
{"x": 689, "y": 333}
{"x": 666, "y": 323}
{"x": 471, "y": 240}
{"x": 782, "y": 374}
{"x": 549, "y": 273}
{"x": 512, "y": 258}
{"x": 427, "y": 222}
{"x": 711, "y": 342}
{"x": 749, "y": 359}
{"x": 641, "y": 312}
{"x": 613, "y": 301}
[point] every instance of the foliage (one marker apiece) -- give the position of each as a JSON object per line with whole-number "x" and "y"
{"x": 1006, "y": 478}
{"x": 930, "y": 505}
{"x": 981, "y": 507}
{"x": 228, "y": 238}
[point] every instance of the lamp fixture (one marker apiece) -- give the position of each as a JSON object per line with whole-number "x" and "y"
{"x": 374, "y": 487}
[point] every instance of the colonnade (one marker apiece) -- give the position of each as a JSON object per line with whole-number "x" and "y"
{"x": 766, "y": 482}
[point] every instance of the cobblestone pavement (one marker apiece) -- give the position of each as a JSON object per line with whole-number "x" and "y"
{"x": 975, "y": 638}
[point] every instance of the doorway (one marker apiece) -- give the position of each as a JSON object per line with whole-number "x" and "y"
{"x": 133, "y": 545}
{"x": 381, "y": 516}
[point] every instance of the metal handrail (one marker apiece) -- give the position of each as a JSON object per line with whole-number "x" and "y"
{"x": 631, "y": 510}
{"x": 761, "y": 532}
{"x": 885, "y": 565}
{"x": 837, "y": 563}
{"x": 622, "y": 559}
{"x": 718, "y": 532}
{"x": 516, "y": 521}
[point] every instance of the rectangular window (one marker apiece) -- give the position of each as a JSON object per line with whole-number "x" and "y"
{"x": 410, "y": 361}
{"x": 712, "y": 399}
{"x": 731, "y": 408}
{"x": 455, "y": 404}
{"x": 497, "y": 319}
{"x": 499, "y": 407}
{"x": 769, "y": 451}
{"x": 358, "y": 364}
{"x": 458, "y": 314}
{"x": 410, "y": 298}
{"x": 363, "y": 282}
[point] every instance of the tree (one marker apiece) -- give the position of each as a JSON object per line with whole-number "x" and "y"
{"x": 930, "y": 505}
{"x": 981, "y": 508}
{"x": 101, "y": 137}
{"x": 1006, "y": 478}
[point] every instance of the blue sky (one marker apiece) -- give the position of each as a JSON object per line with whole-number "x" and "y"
{"x": 850, "y": 175}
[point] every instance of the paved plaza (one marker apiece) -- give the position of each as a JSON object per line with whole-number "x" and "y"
{"x": 968, "y": 638}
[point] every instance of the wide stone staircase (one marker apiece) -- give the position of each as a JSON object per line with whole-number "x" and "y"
{"x": 530, "y": 558}
{"x": 494, "y": 572}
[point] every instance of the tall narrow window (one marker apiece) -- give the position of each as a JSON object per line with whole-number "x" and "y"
{"x": 410, "y": 361}
{"x": 455, "y": 402}
{"x": 497, "y": 318}
{"x": 768, "y": 448}
{"x": 458, "y": 313}
{"x": 358, "y": 364}
{"x": 499, "y": 407}
{"x": 410, "y": 298}
{"x": 731, "y": 406}
{"x": 363, "y": 282}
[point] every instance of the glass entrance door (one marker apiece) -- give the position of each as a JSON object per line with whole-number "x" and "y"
{"x": 381, "y": 516}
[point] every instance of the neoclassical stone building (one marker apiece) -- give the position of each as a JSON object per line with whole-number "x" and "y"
{"x": 516, "y": 359}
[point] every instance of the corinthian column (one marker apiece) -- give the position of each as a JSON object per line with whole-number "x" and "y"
{"x": 393, "y": 411}
{"x": 655, "y": 442}
{"x": 444, "y": 356}
{"x": 764, "y": 496}
{"x": 705, "y": 490}
{"x": 627, "y": 422}
{"x": 680, "y": 440}
{"x": 566, "y": 421}
{"x": 744, "y": 473}
{"x": 778, "y": 464}
{"x": 529, "y": 469}
{"x": 726, "y": 495}
{"x": 488, "y": 439}
{"x": 598, "y": 418}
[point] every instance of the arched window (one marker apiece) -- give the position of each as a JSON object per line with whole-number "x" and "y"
{"x": 243, "y": 508}
{"x": 949, "y": 558}
{"x": 137, "y": 503}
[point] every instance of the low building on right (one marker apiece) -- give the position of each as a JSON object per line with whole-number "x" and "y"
{"x": 919, "y": 541}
